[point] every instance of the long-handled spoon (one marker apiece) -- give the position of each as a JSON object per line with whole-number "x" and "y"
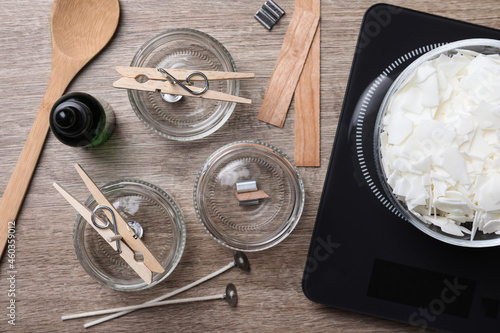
{"x": 80, "y": 29}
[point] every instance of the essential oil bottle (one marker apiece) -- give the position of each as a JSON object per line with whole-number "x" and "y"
{"x": 80, "y": 120}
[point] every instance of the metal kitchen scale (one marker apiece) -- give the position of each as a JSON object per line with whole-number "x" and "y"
{"x": 363, "y": 256}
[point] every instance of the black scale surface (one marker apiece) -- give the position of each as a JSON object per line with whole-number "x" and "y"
{"x": 363, "y": 257}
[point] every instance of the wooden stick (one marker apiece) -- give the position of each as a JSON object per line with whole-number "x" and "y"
{"x": 174, "y": 89}
{"x": 123, "y": 228}
{"x": 143, "y": 306}
{"x": 180, "y": 74}
{"x": 254, "y": 195}
{"x": 114, "y": 238}
{"x": 307, "y": 100}
{"x": 291, "y": 59}
{"x": 127, "y": 254}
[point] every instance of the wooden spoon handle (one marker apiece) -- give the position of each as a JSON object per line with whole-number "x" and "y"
{"x": 17, "y": 187}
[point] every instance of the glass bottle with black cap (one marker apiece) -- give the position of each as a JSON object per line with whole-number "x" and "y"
{"x": 80, "y": 120}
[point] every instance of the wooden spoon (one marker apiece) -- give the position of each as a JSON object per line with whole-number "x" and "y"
{"x": 80, "y": 29}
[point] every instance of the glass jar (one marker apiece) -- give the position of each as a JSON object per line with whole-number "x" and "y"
{"x": 159, "y": 220}
{"x": 176, "y": 117}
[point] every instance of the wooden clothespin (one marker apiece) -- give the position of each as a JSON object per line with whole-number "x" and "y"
{"x": 166, "y": 81}
{"x": 122, "y": 238}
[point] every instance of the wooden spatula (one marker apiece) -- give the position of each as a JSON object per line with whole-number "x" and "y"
{"x": 80, "y": 29}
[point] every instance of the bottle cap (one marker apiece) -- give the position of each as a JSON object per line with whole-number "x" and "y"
{"x": 71, "y": 118}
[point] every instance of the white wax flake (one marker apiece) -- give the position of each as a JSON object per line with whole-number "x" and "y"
{"x": 480, "y": 181}
{"x": 399, "y": 129}
{"x": 425, "y": 114}
{"x": 426, "y": 179}
{"x": 453, "y": 206}
{"x": 491, "y": 139}
{"x": 491, "y": 226}
{"x": 430, "y": 91}
{"x": 440, "y": 143}
{"x": 423, "y": 73}
{"x": 479, "y": 148}
{"x": 424, "y": 164}
{"x": 454, "y": 163}
{"x": 484, "y": 64}
{"x": 487, "y": 116}
{"x": 402, "y": 187}
{"x": 463, "y": 124}
{"x": 412, "y": 150}
{"x": 475, "y": 224}
{"x": 457, "y": 218}
{"x": 488, "y": 195}
{"x": 433, "y": 135}
{"x": 493, "y": 89}
{"x": 488, "y": 165}
{"x": 475, "y": 167}
{"x": 439, "y": 188}
{"x": 417, "y": 190}
{"x": 465, "y": 230}
{"x": 452, "y": 228}
{"x": 401, "y": 164}
{"x": 393, "y": 178}
{"x": 496, "y": 162}
{"x": 451, "y": 66}
{"x": 412, "y": 100}
{"x": 445, "y": 224}
{"x": 439, "y": 220}
{"x": 445, "y": 87}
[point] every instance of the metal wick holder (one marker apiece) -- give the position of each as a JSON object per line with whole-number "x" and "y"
{"x": 175, "y": 98}
{"x": 137, "y": 228}
{"x": 248, "y": 194}
{"x": 134, "y": 225}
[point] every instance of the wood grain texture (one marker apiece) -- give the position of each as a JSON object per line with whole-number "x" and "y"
{"x": 307, "y": 99}
{"x": 125, "y": 252}
{"x": 181, "y": 74}
{"x": 79, "y": 30}
{"x": 254, "y": 195}
{"x": 121, "y": 225}
{"x": 50, "y": 282}
{"x": 291, "y": 59}
{"x": 175, "y": 89}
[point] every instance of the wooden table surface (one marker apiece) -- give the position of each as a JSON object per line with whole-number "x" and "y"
{"x": 50, "y": 281}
